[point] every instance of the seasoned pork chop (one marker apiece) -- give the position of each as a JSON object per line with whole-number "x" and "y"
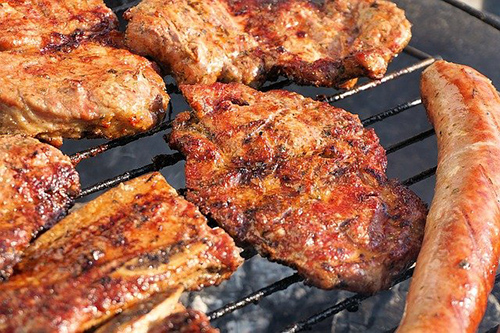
{"x": 131, "y": 242}
{"x": 249, "y": 41}
{"x": 300, "y": 180}
{"x": 47, "y": 24}
{"x": 37, "y": 185}
{"x": 93, "y": 91}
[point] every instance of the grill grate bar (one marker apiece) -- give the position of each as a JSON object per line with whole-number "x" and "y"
{"x": 126, "y": 6}
{"x": 94, "y": 151}
{"x": 416, "y": 53}
{"x": 410, "y": 141}
{"x": 483, "y": 16}
{"x": 349, "y": 303}
{"x": 420, "y": 177}
{"x": 391, "y": 112}
{"x": 375, "y": 83}
{"x": 159, "y": 162}
{"x": 256, "y": 296}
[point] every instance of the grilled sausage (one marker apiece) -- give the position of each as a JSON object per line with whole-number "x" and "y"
{"x": 456, "y": 266}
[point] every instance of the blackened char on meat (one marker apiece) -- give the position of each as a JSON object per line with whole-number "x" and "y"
{"x": 300, "y": 180}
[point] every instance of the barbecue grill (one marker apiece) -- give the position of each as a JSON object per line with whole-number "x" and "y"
{"x": 391, "y": 105}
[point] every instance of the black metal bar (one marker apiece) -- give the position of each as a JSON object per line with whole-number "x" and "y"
{"x": 348, "y": 303}
{"x": 483, "y": 16}
{"x": 94, "y": 151}
{"x": 159, "y": 162}
{"x": 493, "y": 329}
{"x": 375, "y": 83}
{"x": 420, "y": 177}
{"x": 416, "y": 53}
{"x": 410, "y": 141}
{"x": 125, "y": 6}
{"x": 391, "y": 112}
{"x": 256, "y": 296}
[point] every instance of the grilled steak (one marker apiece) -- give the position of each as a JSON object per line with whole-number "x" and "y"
{"x": 47, "y": 24}
{"x": 135, "y": 240}
{"x": 37, "y": 184}
{"x": 93, "y": 91}
{"x": 300, "y": 180}
{"x": 249, "y": 41}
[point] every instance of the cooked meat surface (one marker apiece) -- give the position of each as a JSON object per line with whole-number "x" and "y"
{"x": 160, "y": 313}
{"x": 455, "y": 271}
{"x": 249, "y": 41}
{"x": 131, "y": 242}
{"x": 93, "y": 91}
{"x": 47, "y": 24}
{"x": 145, "y": 314}
{"x": 184, "y": 321}
{"x": 37, "y": 186}
{"x": 300, "y": 180}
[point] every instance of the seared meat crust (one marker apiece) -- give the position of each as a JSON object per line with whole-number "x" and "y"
{"x": 135, "y": 240}
{"x": 93, "y": 91}
{"x": 37, "y": 185}
{"x": 47, "y": 24}
{"x": 300, "y": 180}
{"x": 249, "y": 41}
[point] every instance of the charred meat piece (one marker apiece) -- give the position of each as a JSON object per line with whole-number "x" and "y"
{"x": 301, "y": 181}
{"x": 249, "y": 41}
{"x": 131, "y": 242}
{"x": 47, "y": 24}
{"x": 37, "y": 186}
{"x": 93, "y": 91}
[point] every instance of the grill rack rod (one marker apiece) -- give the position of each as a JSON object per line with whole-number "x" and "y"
{"x": 353, "y": 301}
{"x": 159, "y": 162}
{"x": 375, "y": 83}
{"x": 487, "y": 18}
{"x": 94, "y": 151}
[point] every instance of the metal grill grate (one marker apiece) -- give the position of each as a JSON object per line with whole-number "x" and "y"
{"x": 162, "y": 161}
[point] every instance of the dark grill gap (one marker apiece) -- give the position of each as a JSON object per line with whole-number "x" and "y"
{"x": 161, "y": 161}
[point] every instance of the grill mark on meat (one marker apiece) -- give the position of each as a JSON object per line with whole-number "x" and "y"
{"x": 53, "y": 25}
{"x": 77, "y": 266}
{"x": 38, "y": 184}
{"x": 281, "y": 195}
{"x": 44, "y": 95}
{"x": 330, "y": 44}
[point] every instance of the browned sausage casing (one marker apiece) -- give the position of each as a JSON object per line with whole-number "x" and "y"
{"x": 456, "y": 266}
